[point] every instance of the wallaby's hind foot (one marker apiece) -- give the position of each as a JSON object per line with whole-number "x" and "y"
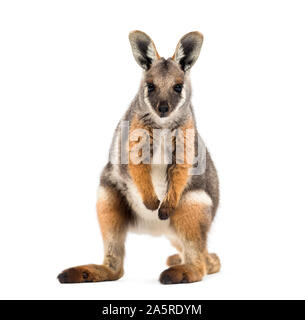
{"x": 174, "y": 260}
{"x": 183, "y": 273}
{"x": 88, "y": 273}
{"x": 187, "y": 273}
{"x": 212, "y": 263}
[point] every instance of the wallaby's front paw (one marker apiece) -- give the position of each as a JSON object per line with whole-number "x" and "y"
{"x": 152, "y": 203}
{"x": 165, "y": 211}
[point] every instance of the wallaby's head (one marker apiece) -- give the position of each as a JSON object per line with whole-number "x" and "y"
{"x": 165, "y": 86}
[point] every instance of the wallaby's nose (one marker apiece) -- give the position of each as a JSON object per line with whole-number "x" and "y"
{"x": 163, "y": 108}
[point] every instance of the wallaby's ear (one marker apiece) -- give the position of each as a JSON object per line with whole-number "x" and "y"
{"x": 188, "y": 49}
{"x": 143, "y": 49}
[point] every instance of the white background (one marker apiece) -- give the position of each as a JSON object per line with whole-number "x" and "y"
{"x": 67, "y": 74}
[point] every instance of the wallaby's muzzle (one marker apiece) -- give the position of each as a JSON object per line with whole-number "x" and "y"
{"x": 163, "y": 109}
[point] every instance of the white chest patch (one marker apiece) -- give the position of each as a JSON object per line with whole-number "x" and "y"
{"x": 159, "y": 170}
{"x": 159, "y": 179}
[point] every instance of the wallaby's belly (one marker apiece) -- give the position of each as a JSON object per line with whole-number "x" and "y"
{"x": 147, "y": 221}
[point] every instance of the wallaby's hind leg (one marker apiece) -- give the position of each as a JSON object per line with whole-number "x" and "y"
{"x": 191, "y": 230}
{"x": 113, "y": 219}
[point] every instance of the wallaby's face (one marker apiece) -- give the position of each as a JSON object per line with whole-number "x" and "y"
{"x": 165, "y": 86}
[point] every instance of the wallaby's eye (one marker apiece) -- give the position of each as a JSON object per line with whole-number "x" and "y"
{"x": 150, "y": 87}
{"x": 178, "y": 87}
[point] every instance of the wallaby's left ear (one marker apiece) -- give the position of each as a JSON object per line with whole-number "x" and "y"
{"x": 188, "y": 49}
{"x": 143, "y": 49}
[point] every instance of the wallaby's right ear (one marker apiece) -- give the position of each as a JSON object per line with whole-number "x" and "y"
{"x": 143, "y": 49}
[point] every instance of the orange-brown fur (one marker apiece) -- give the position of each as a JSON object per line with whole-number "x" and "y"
{"x": 141, "y": 172}
{"x": 173, "y": 260}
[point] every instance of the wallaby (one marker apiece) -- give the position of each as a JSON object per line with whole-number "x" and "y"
{"x": 162, "y": 197}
